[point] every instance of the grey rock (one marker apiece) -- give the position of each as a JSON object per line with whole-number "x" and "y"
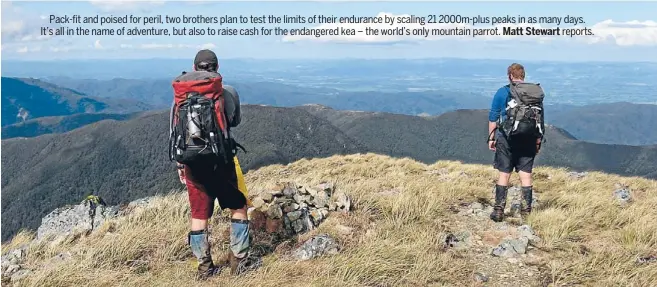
{"x": 527, "y": 232}
{"x": 258, "y": 202}
{"x": 503, "y": 250}
{"x": 289, "y": 191}
{"x": 623, "y": 195}
{"x": 298, "y": 198}
{"x": 647, "y": 259}
{"x": 342, "y": 201}
{"x": 321, "y": 199}
{"x": 302, "y": 190}
{"x": 324, "y": 212}
{"x": 307, "y": 220}
{"x": 316, "y": 246}
{"x": 11, "y": 269}
{"x": 141, "y": 202}
{"x": 332, "y": 206}
{"x": 310, "y": 191}
{"x": 476, "y": 206}
{"x": 326, "y": 187}
{"x": 276, "y": 192}
{"x": 520, "y": 245}
{"x": 290, "y": 207}
{"x": 267, "y": 196}
{"x": 316, "y": 216}
{"x": 82, "y": 217}
{"x": 577, "y": 175}
{"x": 274, "y": 211}
{"x": 281, "y": 200}
{"x": 20, "y": 274}
{"x": 511, "y": 247}
{"x": 458, "y": 240}
{"x": 480, "y": 277}
{"x": 299, "y": 226}
{"x": 293, "y": 216}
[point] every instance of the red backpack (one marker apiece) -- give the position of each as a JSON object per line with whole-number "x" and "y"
{"x": 198, "y": 124}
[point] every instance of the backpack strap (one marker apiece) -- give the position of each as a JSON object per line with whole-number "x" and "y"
{"x": 171, "y": 128}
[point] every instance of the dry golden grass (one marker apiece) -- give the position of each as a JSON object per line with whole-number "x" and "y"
{"x": 401, "y": 208}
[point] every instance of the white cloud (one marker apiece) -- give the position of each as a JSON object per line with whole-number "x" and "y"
{"x": 22, "y": 50}
{"x": 18, "y": 26}
{"x": 631, "y": 33}
{"x": 97, "y": 45}
{"x": 152, "y": 46}
{"x": 621, "y": 33}
{"x": 208, "y": 46}
{"x": 125, "y": 5}
{"x": 156, "y": 46}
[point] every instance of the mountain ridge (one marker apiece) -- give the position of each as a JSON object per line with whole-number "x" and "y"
{"x": 126, "y": 160}
{"x": 29, "y": 98}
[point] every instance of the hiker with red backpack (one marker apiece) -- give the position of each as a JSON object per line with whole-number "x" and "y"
{"x": 203, "y": 111}
{"x": 515, "y": 133}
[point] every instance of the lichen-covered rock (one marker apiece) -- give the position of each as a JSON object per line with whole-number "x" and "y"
{"x": 511, "y": 247}
{"x": 527, "y": 232}
{"x": 321, "y": 199}
{"x": 622, "y": 194}
{"x": 316, "y": 246}
{"x": 86, "y": 216}
{"x": 257, "y": 202}
{"x": 274, "y": 211}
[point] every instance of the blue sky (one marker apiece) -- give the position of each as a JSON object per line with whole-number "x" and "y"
{"x": 624, "y": 31}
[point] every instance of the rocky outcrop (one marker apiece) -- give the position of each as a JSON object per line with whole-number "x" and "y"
{"x": 84, "y": 217}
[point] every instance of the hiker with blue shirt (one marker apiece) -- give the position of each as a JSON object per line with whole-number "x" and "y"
{"x": 515, "y": 132}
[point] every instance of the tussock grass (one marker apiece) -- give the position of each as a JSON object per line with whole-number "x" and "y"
{"x": 401, "y": 207}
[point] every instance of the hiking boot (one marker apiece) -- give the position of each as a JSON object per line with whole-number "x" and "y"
{"x": 527, "y": 199}
{"x": 247, "y": 263}
{"x": 198, "y": 241}
{"x": 206, "y": 271}
{"x": 500, "y": 203}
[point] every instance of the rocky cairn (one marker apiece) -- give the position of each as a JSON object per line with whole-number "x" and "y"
{"x": 291, "y": 209}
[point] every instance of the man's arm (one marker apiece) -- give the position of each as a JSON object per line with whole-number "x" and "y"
{"x": 498, "y": 104}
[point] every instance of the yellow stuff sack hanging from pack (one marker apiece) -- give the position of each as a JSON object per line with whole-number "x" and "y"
{"x": 241, "y": 184}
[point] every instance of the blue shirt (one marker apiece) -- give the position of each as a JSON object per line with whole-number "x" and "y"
{"x": 498, "y": 107}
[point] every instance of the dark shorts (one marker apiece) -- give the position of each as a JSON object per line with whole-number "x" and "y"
{"x": 209, "y": 181}
{"x": 514, "y": 154}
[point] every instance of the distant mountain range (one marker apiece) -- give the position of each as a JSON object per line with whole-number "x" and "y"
{"x": 25, "y": 99}
{"x": 611, "y": 123}
{"x": 157, "y": 94}
{"x": 126, "y": 160}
